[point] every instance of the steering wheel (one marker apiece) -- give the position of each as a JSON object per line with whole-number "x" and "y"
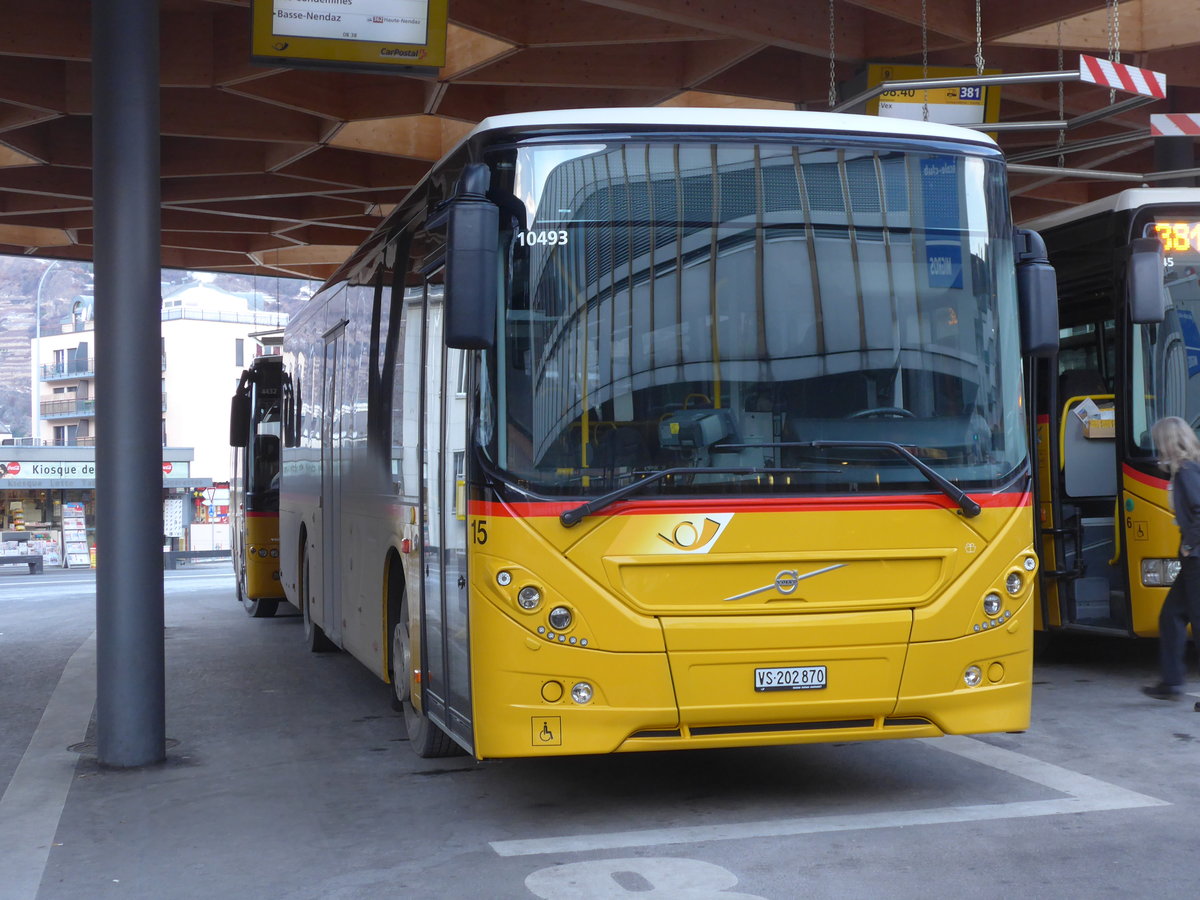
{"x": 891, "y": 412}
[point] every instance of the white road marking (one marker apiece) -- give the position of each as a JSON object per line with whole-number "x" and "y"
{"x": 34, "y": 799}
{"x": 1084, "y": 794}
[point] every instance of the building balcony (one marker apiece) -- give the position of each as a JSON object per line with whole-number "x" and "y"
{"x": 49, "y": 442}
{"x": 68, "y": 409}
{"x": 72, "y": 368}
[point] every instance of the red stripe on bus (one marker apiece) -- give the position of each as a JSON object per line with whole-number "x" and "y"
{"x": 647, "y": 507}
{"x": 1142, "y": 477}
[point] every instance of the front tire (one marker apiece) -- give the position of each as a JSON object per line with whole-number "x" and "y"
{"x": 426, "y": 739}
{"x": 263, "y": 608}
{"x": 314, "y": 638}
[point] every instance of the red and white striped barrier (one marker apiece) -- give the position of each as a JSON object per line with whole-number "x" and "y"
{"x": 1122, "y": 77}
{"x": 1175, "y": 124}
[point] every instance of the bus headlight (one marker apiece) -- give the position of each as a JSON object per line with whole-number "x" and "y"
{"x": 1013, "y": 583}
{"x": 560, "y": 618}
{"x": 529, "y": 597}
{"x": 1159, "y": 572}
{"x": 1030, "y": 564}
{"x": 992, "y": 604}
{"x": 581, "y": 692}
{"x": 972, "y": 676}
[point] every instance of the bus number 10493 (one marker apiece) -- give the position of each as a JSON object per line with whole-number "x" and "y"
{"x": 548, "y": 238}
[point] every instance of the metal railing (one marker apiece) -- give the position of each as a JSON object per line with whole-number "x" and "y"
{"x": 71, "y": 368}
{"x": 59, "y": 409}
{"x": 248, "y": 317}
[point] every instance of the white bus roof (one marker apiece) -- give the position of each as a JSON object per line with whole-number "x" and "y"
{"x": 1133, "y": 198}
{"x": 743, "y": 119}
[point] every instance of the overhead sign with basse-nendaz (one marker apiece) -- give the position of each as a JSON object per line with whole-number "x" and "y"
{"x": 366, "y": 35}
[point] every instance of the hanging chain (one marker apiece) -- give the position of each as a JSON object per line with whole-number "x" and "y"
{"x": 1114, "y": 40}
{"x": 978, "y": 39}
{"x": 832, "y": 47}
{"x": 924, "y": 61}
{"x": 1062, "y": 134}
{"x": 1116, "y": 15}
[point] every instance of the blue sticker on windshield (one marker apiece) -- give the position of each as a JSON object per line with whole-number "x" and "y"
{"x": 944, "y": 261}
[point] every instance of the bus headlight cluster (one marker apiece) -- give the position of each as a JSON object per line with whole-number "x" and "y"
{"x": 1159, "y": 572}
{"x": 529, "y": 597}
{"x": 581, "y": 692}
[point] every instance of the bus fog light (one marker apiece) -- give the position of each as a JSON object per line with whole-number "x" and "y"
{"x": 560, "y": 618}
{"x": 1030, "y": 564}
{"x": 972, "y": 676}
{"x": 262, "y": 553}
{"x": 581, "y": 692}
{"x": 1159, "y": 572}
{"x": 992, "y": 604}
{"x": 529, "y": 598}
{"x": 1013, "y": 583}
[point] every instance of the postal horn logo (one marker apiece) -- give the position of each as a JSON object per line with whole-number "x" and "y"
{"x": 696, "y": 535}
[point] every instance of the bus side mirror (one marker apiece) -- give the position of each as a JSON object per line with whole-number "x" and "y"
{"x": 472, "y": 258}
{"x": 1037, "y": 294}
{"x": 1144, "y": 282}
{"x": 239, "y": 420}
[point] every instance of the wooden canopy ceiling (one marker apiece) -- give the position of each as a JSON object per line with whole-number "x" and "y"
{"x": 275, "y": 170}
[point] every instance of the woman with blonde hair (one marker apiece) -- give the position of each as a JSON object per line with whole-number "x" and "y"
{"x": 1179, "y": 454}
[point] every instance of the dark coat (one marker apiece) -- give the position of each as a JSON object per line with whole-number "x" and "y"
{"x": 1186, "y": 484}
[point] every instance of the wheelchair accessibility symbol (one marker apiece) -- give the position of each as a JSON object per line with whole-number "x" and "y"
{"x": 547, "y": 731}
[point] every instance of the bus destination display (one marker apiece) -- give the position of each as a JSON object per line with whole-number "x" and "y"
{"x": 1176, "y": 237}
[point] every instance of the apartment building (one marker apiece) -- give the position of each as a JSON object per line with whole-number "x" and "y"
{"x": 208, "y": 335}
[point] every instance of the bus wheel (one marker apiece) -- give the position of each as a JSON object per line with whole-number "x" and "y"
{"x": 240, "y": 579}
{"x": 314, "y": 637}
{"x": 425, "y": 738}
{"x": 262, "y": 608}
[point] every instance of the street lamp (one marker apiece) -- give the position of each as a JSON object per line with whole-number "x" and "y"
{"x": 35, "y": 411}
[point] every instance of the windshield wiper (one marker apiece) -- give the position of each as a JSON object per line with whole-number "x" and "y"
{"x": 969, "y": 507}
{"x": 575, "y": 514}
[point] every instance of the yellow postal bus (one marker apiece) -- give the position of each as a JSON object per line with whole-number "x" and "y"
{"x": 652, "y": 429}
{"x": 1128, "y": 268}
{"x": 254, "y": 434}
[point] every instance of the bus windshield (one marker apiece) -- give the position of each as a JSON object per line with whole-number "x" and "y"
{"x": 760, "y": 311}
{"x": 1165, "y": 358}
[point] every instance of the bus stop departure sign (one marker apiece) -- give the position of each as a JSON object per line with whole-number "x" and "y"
{"x": 405, "y": 36}
{"x": 965, "y": 105}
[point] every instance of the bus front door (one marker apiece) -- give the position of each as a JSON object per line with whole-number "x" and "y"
{"x": 1092, "y": 587}
{"x": 331, "y": 469}
{"x": 445, "y": 642}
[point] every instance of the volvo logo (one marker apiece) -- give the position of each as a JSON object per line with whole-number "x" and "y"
{"x": 786, "y": 582}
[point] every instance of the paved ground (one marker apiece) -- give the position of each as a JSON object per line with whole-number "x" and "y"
{"x": 292, "y": 779}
